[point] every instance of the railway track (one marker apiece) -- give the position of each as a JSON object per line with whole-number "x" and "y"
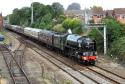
{"x": 110, "y": 72}
{"x": 81, "y": 78}
{"x": 108, "y": 75}
{"x": 17, "y": 73}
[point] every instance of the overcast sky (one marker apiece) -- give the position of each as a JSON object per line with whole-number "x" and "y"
{"x": 7, "y": 6}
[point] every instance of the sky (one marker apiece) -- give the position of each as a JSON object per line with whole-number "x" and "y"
{"x": 7, "y": 6}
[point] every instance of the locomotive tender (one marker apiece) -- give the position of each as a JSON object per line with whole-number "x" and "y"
{"x": 82, "y": 48}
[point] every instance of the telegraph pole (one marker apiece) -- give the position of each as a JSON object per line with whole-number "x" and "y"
{"x": 105, "y": 40}
{"x": 32, "y": 20}
{"x": 98, "y": 25}
{"x": 8, "y": 19}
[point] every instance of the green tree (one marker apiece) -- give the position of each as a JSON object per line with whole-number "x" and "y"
{"x": 59, "y": 28}
{"x": 39, "y": 10}
{"x": 94, "y": 34}
{"x": 67, "y": 23}
{"x": 25, "y": 16}
{"x": 20, "y": 16}
{"x": 44, "y": 15}
{"x": 58, "y": 9}
{"x": 96, "y": 8}
{"x": 46, "y": 22}
{"x": 60, "y": 19}
{"x": 15, "y": 17}
{"x": 118, "y": 49}
{"x": 74, "y": 24}
{"x": 115, "y": 30}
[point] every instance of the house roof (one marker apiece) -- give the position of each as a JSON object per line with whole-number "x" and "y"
{"x": 119, "y": 10}
{"x": 98, "y": 12}
{"x": 95, "y": 12}
{"x": 109, "y": 11}
{"x": 68, "y": 12}
{"x": 77, "y": 12}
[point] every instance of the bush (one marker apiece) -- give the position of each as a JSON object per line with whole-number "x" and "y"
{"x": 77, "y": 30}
{"x": 58, "y": 28}
{"x": 118, "y": 49}
{"x": 94, "y": 34}
{"x": 74, "y": 24}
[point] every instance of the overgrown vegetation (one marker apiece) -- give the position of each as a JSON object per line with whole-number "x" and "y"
{"x": 118, "y": 49}
{"x": 50, "y": 17}
{"x": 74, "y": 24}
{"x": 94, "y": 34}
{"x": 115, "y": 38}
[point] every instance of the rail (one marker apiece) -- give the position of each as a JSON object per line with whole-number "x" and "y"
{"x": 17, "y": 73}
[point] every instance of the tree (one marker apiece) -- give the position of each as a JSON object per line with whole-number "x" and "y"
{"x": 94, "y": 34}
{"x": 113, "y": 29}
{"x": 96, "y": 8}
{"x": 39, "y": 10}
{"x": 21, "y": 16}
{"x": 49, "y": 9}
{"x": 67, "y": 23}
{"x": 43, "y": 15}
{"x": 74, "y": 24}
{"x": 25, "y": 17}
{"x": 118, "y": 49}
{"x": 74, "y": 6}
{"x": 58, "y": 28}
{"x": 58, "y": 9}
{"x": 61, "y": 18}
{"x": 15, "y": 17}
{"x": 46, "y": 22}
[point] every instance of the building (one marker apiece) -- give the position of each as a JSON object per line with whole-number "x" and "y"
{"x": 74, "y": 13}
{"x": 98, "y": 15}
{"x": 120, "y": 14}
{"x": 109, "y": 13}
{"x": 81, "y": 14}
{"x": 1, "y": 21}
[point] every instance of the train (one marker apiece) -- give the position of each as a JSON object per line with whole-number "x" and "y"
{"x": 82, "y": 48}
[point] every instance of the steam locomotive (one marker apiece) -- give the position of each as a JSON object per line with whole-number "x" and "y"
{"x": 82, "y": 48}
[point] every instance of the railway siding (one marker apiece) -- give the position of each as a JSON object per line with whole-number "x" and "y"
{"x": 17, "y": 73}
{"x": 6, "y": 79}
